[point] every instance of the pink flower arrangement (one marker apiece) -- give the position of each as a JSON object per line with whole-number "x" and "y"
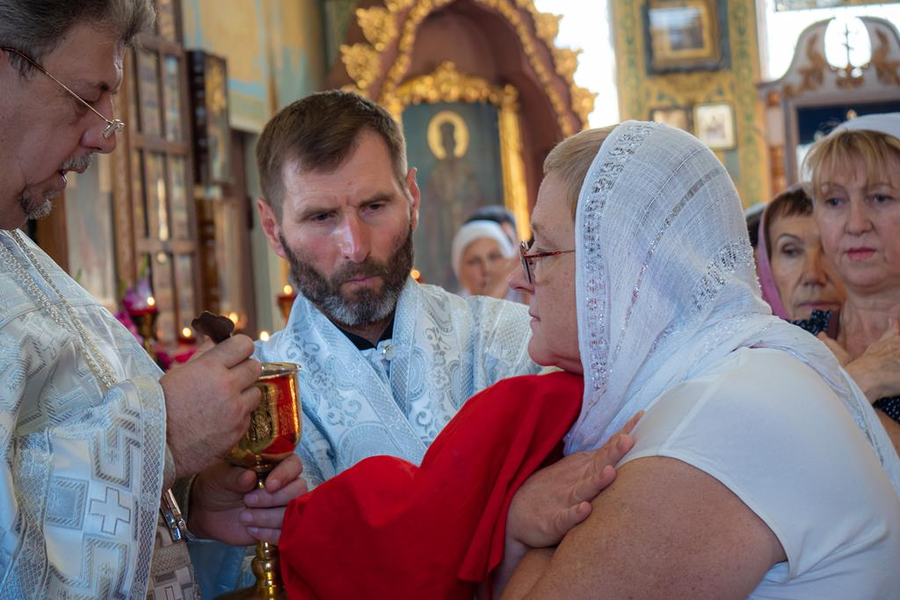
{"x": 125, "y": 319}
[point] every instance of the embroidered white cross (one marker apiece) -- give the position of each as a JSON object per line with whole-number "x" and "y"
{"x": 111, "y": 511}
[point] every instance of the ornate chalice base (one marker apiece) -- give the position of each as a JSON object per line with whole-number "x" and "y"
{"x": 273, "y": 435}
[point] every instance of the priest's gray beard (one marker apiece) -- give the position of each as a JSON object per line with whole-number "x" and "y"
{"x": 37, "y": 204}
{"x": 365, "y": 306}
{"x": 37, "y": 208}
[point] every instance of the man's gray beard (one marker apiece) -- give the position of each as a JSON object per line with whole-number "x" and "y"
{"x": 38, "y": 210}
{"x": 367, "y": 306}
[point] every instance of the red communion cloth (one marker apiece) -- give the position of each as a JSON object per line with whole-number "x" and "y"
{"x": 388, "y": 529}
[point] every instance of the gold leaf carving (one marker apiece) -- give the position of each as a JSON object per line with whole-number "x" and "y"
{"x": 361, "y": 62}
{"x": 447, "y": 84}
{"x": 583, "y": 101}
{"x": 378, "y": 25}
{"x": 814, "y": 75}
{"x": 547, "y": 26}
{"x": 566, "y": 63}
{"x": 849, "y": 81}
{"x": 384, "y": 26}
{"x": 515, "y": 192}
{"x": 398, "y": 5}
{"x": 885, "y": 70}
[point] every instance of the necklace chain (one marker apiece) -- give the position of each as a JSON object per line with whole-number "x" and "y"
{"x": 95, "y": 360}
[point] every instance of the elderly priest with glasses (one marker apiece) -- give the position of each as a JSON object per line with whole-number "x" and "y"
{"x": 92, "y": 434}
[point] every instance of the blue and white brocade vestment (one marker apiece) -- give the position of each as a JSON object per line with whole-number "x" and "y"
{"x": 82, "y": 469}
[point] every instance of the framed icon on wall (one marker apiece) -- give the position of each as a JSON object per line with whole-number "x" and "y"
{"x": 685, "y": 35}
{"x": 714, "y": 125}
{"x": 675, "y": 116}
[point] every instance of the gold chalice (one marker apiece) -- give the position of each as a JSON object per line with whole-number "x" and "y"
{"x": 273, "y": 435}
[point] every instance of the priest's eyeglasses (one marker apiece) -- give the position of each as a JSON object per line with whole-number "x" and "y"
{"x": 528, "y": 259}
{"x": 112, "y": 127}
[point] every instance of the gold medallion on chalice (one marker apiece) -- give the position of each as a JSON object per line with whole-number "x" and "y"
{"x": 273, "y": 435}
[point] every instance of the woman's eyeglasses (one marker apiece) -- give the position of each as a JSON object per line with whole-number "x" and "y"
{"x": 528, "y": 258}
{"x": 112, "y": 127}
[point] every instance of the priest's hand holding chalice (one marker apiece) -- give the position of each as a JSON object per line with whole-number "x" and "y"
{"x": 274, "y": 433}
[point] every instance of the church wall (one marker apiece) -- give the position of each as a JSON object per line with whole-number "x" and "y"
{"x": 275, "y": 51}
{"x": 640, "y": 92}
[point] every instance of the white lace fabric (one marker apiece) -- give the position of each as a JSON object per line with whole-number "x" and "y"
{"x": 666, "y": 284}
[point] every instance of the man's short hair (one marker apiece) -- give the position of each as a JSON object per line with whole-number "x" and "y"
{"x": 572, "y": 159}
{"x": 320, "y": 131}
{"x": 36, "y": 27}
{"x": 792, "y": 202}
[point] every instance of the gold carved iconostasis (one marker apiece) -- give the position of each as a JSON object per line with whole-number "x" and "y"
{"x": 694, "y": 64}
{"x": 482, "y": 94}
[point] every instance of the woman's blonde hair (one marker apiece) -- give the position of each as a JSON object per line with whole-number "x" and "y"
{"x": 872, "y": 148}
{"x": 571, "y": 159}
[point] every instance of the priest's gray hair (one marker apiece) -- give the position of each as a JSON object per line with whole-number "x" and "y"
{"x": 36, "y": 27}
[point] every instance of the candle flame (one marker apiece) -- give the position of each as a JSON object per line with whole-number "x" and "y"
{"x": 415, "y": 274}
{"x": 264, "y": 336}
{"x": 233, "y": 316}
{"x": 288, "y": 290}
{"x": 186, "y": 332}
{"x": 151, "y": 301}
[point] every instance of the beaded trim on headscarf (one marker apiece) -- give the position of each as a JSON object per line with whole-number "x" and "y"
{"x": 596, "y": 308}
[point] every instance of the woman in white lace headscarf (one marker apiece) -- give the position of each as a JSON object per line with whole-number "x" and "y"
{"x": 758, "y": 468}
{"x": 482, "y": 257}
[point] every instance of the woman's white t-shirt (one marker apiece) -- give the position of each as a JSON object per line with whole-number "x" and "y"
{"x": 771, "y": 430}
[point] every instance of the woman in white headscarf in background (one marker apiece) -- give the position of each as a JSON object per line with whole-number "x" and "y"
{"x": 482, "y": 257}
{"x": 758, "y": 468}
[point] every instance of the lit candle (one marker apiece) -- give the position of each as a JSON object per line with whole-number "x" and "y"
{"x": 186, "y": 336}
{"x": 264, "y": 336}
{"x": 286, "y": 300}
{"x": 148, "y": 309}
{"x": 234, "y": 317}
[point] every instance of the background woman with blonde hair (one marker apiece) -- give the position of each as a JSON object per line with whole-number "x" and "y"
{"x": 855, "y": 183}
